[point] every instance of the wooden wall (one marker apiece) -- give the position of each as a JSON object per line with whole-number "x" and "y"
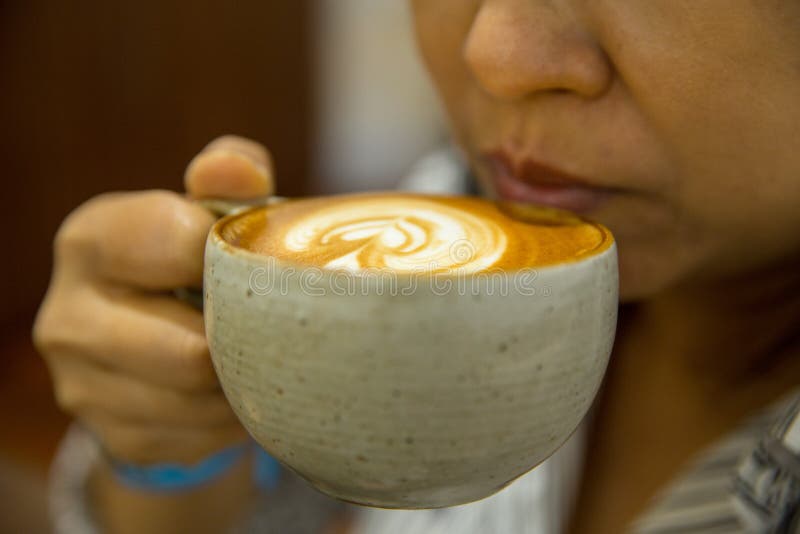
{"x": 98, "y": 96}
{"x": 101, "y": 96}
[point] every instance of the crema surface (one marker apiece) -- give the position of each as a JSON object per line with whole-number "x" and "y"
{"x": 405, "y": 232}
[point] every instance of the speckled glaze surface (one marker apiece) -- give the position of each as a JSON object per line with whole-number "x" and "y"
{"x": 427, "y": 399}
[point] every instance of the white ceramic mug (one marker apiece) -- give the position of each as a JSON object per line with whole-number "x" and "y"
{"x": 418, "y": 399}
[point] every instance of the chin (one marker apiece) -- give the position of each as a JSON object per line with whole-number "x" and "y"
{"x": 643, "y": 275}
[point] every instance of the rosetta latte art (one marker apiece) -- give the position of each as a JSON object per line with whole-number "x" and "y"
{"x": 402, "y": 235}
{"x": 412, "y": 233}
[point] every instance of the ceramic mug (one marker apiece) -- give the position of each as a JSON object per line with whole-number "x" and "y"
{"x": 422, "y": 398}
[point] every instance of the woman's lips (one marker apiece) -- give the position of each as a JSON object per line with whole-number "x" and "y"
{"x": 530, "y": 182}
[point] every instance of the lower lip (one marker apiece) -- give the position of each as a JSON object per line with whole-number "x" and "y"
{"x": 574, "y": 198}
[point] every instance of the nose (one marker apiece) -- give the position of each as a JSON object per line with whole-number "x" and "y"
{"x": 516, "y": 48}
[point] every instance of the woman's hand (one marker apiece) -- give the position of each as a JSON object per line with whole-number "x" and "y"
{"x": 127, "y": 358}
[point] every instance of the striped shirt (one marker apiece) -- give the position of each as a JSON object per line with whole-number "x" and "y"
{"x": 740, "y": 484}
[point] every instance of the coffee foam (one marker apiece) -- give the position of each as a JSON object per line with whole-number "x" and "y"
{"x": 409, "y": 233}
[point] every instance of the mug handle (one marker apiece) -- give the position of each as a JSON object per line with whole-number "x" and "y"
{"x": 221, "y": 207}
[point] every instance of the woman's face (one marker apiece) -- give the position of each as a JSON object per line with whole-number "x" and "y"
{"x": 674, "y": 122}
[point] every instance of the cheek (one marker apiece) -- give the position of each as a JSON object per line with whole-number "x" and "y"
{"x": 442, "y": 27}
{"x": 720, "y": 94}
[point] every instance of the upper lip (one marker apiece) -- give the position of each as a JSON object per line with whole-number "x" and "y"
{"x": 533, "y": 172}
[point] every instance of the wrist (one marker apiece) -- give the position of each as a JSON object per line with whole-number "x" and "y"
{"x": 84, "y": 492}
{"x": 213, "y": 507}
{"x": 173, "y": 477}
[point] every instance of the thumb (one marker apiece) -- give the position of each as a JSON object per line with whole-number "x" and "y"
{"x": 230, "y": 167}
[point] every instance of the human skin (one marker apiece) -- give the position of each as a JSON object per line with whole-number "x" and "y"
{"x": 686, "y": 111}
{"x": 685, "y": 116}
{"x": 129, "y": 360}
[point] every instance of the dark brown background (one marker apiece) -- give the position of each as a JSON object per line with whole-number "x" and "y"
{"x": 100, "y": 96}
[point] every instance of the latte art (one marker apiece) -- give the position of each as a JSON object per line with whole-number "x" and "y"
{"x": 400, "y": 234}
{"x": 409, "y": 233}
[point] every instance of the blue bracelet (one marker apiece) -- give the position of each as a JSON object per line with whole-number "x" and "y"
{"x": 173, "y": 477}
{"x": 266, "y": 469}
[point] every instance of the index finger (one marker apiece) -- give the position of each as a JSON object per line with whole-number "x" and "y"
{"x": 151, "y": 240}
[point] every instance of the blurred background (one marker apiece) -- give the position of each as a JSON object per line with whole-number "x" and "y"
{"x": 100, "y": 96}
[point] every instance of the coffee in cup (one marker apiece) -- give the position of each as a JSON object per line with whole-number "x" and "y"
{"x": 406, "y": 233}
